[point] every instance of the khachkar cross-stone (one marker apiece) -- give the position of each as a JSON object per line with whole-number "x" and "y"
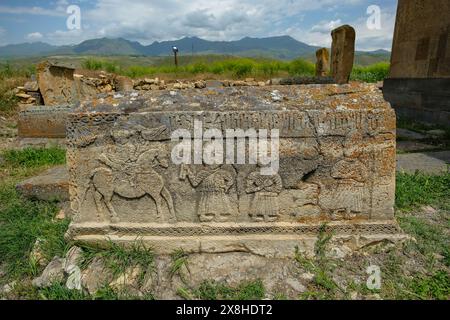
{"x": 336, "y": 166}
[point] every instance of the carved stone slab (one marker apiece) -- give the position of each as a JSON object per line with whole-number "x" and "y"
{"x": 43, "y": 121}
{"x": 336, "y": 166}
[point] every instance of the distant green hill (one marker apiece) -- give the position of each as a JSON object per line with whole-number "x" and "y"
{"x": 282, "y": 47}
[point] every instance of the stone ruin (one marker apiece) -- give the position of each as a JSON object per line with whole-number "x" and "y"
{"x": 419, "y": 80}
{"x": 46, "y": 101}
{"x": 342, "y": 53}
{"x": 336, "y": 167}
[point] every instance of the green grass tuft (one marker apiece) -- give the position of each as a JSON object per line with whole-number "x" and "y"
{"x": 211, "y": 290}
{"x": 420, "y": 189}
{"x": 374, "y": 73}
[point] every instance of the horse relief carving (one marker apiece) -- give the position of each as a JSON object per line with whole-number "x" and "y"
{"x": 129, "y": 172}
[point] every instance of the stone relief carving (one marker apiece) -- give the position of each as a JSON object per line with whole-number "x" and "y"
{"x": 213, "y": 183}
{"x": 266, "y": 189}
{"x": 130, "y": 172}
{"x": 351, "y": 176}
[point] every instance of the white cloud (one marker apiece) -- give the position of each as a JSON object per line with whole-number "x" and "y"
{"x": 34, "y": 36}
{"x": 147, "y": 21}
{"x": 366, "y": 39}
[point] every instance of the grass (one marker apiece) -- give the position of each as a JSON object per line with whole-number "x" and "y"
{"x": 323, "y": 287}
{"x": 179, "y": 262}
{"x": 23, "y": 221}
{"x": 119, "y": 258}
{"x": 373, "y": 73}
{"x": 231, "y": 67}
{"x": 211, "y": 290}
{"x": 12, "y": 76}
{"x": 420, "y": 189}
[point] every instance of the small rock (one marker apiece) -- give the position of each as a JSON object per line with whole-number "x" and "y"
{"x": 61, "y": 215}
{"x": 128, "y": 279}
{"x": 262, "y": 84}
{"x": 37, "y": 255}
{"x": 200, "y": 84}
{"x": 307, "y": 276}
{"x": 375, "y": 296}
{"x": 276, "y": 96}
{"x": 354, "y": 295}
{"x": 23, "y": 96}
{"x": 149, "y": 281}
{"x": 54, "y": 272}
{"x": 31, "y": 86}
{"x": 249, "y": 80}
{"x": 296, "y": 285}
{"x": 95, "y": 276}
{"x": 73, "y": 257}
{"x": 339, "y": 252}
{"x": 429, "y": 209}
{"x": 74, "y": 280}
{"x": 438, "y": 257}
{"x": 8, "y": 288}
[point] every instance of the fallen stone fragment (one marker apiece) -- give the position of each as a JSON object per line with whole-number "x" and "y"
{"x": 37, "y": 255}
{"x": 53, "y": 273}
{"x": 31, "y": 86}
{"x": 127, "y": 280}
{"x": 74, "y": 279}
{"x": 73, "y": 258}
{"x": 96, "y": 276}
{"x": 51, "y": 185}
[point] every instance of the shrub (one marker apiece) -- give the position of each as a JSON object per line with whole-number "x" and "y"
{"x": 373, "y": 73}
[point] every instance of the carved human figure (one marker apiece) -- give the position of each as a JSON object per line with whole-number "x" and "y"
{"x": 351, "y": 176}
{"x": 214, "y": 183}
{"x": 264, "y": 206}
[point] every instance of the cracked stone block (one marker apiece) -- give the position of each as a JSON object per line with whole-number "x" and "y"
{"x": 336, "y": 166}
{"x": 43, "y": 121}
{"x": 51, "y": 185}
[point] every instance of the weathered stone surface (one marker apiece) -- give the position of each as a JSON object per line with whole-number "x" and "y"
{"x": 31, "y": 86}
{"x": 337, "y": 165}
{"x": 73, "y": 258}
{"x": 56, "y": 84}
{"x": 127, "y": 281}
{"x": 419, "y": 77}
{"x": 51, "y": 185}
{"x": 322, "y": 62}
{"x": 96, "y": 276}
{"x": 43, "y": 121}
{"x": 123, "y": 83}
{"x": 342, "y": 53}
{"x": 53, "y": 273}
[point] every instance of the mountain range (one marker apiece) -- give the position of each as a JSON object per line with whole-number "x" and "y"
{"x": 281, "y": 47}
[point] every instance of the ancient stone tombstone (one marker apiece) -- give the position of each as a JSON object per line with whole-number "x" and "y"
{"x": 342, "y": 53}
{"x": 56, "y": 84}
{"x": 322, "y": 62}
{"x": 43, "y": 121}
{"x": 419, "y": 79}
{"x": 336, "y": 160}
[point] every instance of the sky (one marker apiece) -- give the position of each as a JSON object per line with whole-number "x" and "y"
{"x": 146, "y": 21}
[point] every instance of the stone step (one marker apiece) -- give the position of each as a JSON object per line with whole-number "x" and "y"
{"x": 51, "y": 185}
{"x": 429, "y": 162}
